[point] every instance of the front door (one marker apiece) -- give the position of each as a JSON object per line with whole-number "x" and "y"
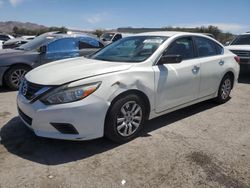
{"x": 177, "y": 84}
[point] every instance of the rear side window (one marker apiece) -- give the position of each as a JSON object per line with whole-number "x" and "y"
{"x": 87, "y": 42}
{"x": 219, "y": 49}
{"x": 206, "y": 47}
{"x": 242, "y": 40}
{"x": 183, "y": 47}
{"x": 63, "y": 45}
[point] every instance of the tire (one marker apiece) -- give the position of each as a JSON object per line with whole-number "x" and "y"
{"x": 224, "y": 89}
{"x": 14, "y": 76}
{"x": 125, "y": 119}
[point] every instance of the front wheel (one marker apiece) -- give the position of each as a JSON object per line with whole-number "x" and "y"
{"x": 125, "y": 119}
{"x": 14, "y": 76}
{"x": 225, "y": 89}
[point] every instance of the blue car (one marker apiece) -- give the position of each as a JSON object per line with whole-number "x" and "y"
{"x": 48, "y": 47}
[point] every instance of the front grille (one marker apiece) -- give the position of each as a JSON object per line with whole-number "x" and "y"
{"x": 26, "y": 118}
{"x": 241, "y": 53}
{"x": 32, "y": 89}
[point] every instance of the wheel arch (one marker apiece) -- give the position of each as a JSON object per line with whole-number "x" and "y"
{"x": 137, "y": 92}
{"x": 14, "y": 65}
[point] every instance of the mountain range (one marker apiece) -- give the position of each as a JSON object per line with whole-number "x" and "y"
{"x": 7, "y": 27}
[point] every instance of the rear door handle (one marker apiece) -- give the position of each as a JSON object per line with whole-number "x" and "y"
{"x": 221, "y": 62}
{"x": 195, "y": 69}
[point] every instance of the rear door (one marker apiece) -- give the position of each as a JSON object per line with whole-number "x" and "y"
{"x": 210, "y": 56}
{"x": 177, "y": 84}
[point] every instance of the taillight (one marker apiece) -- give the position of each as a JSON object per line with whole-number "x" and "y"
{"x": 237, "y": 59}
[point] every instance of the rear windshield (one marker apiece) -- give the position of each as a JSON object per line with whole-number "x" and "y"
{"x": 241, "y": 40}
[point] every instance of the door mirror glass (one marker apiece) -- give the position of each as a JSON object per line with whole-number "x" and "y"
{"x": 170, "y": 59}
{"x": 42, "y": 49}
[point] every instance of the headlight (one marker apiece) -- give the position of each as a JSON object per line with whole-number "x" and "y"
{"x": 66, "y": 94}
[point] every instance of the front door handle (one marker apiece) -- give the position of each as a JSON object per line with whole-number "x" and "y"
{"x": 195, "y": 69}
{"x": 221, "y": 62}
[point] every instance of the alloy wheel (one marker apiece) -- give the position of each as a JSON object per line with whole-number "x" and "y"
{"x": 129, "y": 118}
{"x": 226, "y": 88}
{"x": 17, "y": 76}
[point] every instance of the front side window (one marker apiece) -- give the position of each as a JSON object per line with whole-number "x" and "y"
{"x": 183, "y": 47}
{"x": 205, "y": 47}
{"x": 63, "y": 45}
{"x": 130, "y": 49}
{"x": 242, "y": 40}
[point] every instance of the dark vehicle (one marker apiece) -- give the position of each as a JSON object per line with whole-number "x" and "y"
{"x": 16, "y": 42}
{"x": 48, "y": 47}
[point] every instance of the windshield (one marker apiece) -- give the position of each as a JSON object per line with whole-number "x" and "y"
{"x": 130, "y": 49}
{"x": 36, "y": 42}
{"x": 107, "y": 36}
{"x": 242, "y": 40}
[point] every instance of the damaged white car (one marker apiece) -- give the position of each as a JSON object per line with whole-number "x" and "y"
{"x": 113, "y": 92}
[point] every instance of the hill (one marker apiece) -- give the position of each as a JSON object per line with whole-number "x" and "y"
{"x": 7, "y": 27}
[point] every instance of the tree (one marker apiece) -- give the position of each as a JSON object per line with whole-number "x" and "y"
{"x": 15, "y": 30}
{"x": 98, "y": 32}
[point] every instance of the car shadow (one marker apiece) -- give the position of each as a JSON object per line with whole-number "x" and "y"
{"x": 244, "y": 78}
{"x": 20, "y": 141}
{"x": 4, "y": 89}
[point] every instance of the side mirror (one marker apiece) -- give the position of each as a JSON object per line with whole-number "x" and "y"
{"x": 42, "y": 49}
{"x": 170, "y": 59}
{"x": 227, "y": 43}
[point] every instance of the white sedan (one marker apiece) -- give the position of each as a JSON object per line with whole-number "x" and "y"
{"x": 113, "y": 92}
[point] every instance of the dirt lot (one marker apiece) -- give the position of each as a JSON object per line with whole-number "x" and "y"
{"x": 204, "y": 145}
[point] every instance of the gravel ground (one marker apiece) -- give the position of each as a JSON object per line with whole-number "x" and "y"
{"x": 204, "y": 145}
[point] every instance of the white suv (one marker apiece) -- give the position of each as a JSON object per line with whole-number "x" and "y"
{"x": 117, "y": 89}
{"x": 241, "y": 47}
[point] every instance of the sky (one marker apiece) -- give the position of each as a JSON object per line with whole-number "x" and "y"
{"x": 229, "y": 15}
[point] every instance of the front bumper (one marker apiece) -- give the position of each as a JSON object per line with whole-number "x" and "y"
{"x": 87, "y": 117}
{"x": 2, "y": 71}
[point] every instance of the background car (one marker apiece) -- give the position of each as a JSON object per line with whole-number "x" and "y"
{"x": 16, "y": 42}
{"x": 113, "y": 92}
{"x": 4, "y": 37}
{"x": 110, "y": 37}
{"x": 241, "y": 47}
{"x": 15, "y": 63}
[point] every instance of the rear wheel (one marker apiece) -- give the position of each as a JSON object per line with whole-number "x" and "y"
{"x": 14, "y": 76}
{"x": 225, "y": 89}
{"x": 125, "y": 119}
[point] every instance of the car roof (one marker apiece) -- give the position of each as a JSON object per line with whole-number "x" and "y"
{"x": 170, "y": 33}
{"x": 58, "y": 35}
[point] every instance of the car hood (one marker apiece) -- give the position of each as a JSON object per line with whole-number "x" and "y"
{"x": 64, "y": 71}
{"x": 239, "y": 47}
